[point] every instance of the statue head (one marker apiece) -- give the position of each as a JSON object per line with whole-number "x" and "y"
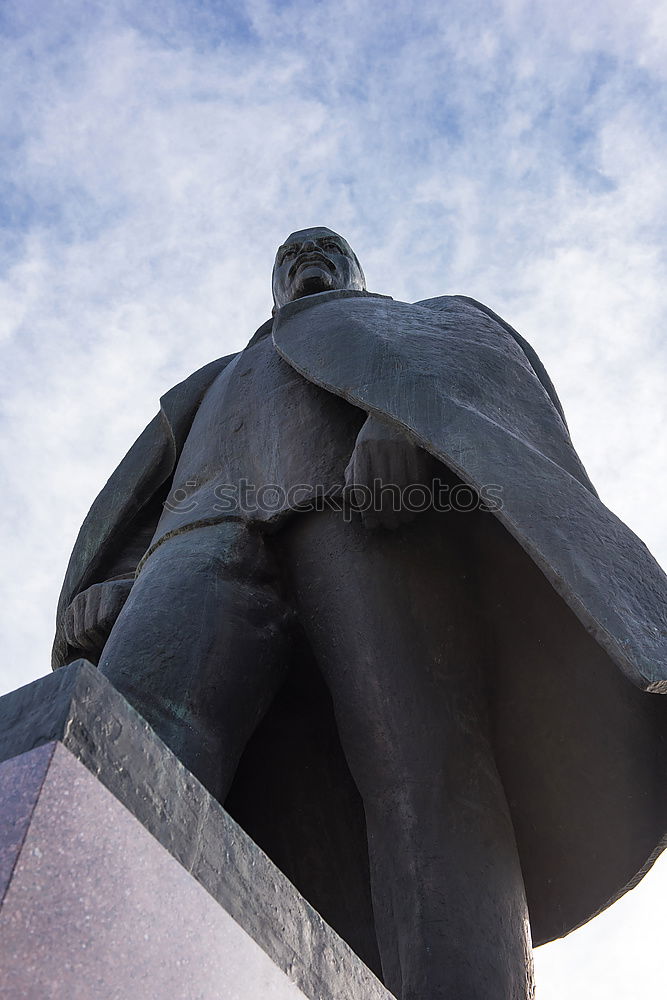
{"x": 314, "y": 260}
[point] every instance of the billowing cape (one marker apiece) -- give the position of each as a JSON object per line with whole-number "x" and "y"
{"x": 578, "y": 603}
{"x": 458, "y": 381}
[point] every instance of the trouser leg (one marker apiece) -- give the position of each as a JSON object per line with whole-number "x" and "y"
{"x": 200, "y": 647}
{"x": 393, "y": 620}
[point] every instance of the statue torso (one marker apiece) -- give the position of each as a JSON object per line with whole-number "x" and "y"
{"x": 263, "y": 425}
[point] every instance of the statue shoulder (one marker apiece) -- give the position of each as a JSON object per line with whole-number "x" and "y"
{"x": 454, "y": 303}
{"x": 449, "y": 303}
{"x": 197, "y": 383}
{"x": 439, "y": 303}
{"x": 178, "y": 405}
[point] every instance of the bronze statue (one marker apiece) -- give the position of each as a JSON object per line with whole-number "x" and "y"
{"x": 357, "y": 578}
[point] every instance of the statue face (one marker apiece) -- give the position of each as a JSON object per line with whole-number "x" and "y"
{"x": 314, "y": 260}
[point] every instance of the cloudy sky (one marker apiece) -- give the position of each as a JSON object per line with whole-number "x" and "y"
{"x": 154, "y": 153}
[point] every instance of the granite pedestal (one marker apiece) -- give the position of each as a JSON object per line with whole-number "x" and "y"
{"x": 121, "y": 876}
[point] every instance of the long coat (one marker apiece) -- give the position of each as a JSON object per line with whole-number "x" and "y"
{"x": 577, "y": 603}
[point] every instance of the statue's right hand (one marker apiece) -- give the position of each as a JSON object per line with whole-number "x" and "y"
{"x": 91, "y": 615}
{"x": 384, "y": 456}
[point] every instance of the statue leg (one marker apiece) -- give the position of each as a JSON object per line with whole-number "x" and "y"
{"x": 394, "y": 621}
{"x": 201, "y": 646}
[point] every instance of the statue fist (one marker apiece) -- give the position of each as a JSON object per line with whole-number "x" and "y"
{"x": 383, "y": 464}
{"x": 91, "y": 615}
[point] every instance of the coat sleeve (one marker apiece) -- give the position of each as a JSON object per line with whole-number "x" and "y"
{"x": 123, "y": 518}
{"x": 100, "y": 551}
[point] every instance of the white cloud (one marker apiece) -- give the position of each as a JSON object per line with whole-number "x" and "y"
{"x": 154, "y": 156}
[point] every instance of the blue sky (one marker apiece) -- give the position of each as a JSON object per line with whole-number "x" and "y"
{"x": 152, "y": 157}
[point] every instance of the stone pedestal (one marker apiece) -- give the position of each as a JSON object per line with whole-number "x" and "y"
{"x": 120, "y": 875}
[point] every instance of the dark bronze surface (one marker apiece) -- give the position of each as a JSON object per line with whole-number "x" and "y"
{"x": 438, "y": 722}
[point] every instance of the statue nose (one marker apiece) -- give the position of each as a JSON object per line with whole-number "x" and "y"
{"x": 309, "y": 245}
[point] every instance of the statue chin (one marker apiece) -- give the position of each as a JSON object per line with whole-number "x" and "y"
{"x": 312, "y": 281}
